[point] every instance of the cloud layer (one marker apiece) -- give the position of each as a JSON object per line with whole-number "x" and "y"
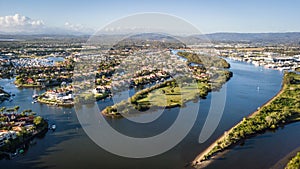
{"x": 19, "y": 23}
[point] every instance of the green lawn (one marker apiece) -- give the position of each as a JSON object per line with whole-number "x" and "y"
{"x": 169, "y": 96}
{"x": 160, "y": 95}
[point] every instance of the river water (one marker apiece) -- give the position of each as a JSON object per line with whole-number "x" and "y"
{"x": 70, "y": 147}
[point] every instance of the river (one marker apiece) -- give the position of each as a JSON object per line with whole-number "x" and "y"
{"x": 70, "y": 147}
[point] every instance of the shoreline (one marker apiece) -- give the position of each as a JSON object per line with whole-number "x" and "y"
{"x": 198, "y": 161}
{"x": 55, "y": 103}
{"x": 285, "y": 160}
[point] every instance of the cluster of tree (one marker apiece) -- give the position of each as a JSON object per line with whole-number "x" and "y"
{"x": 132, "y": 102}
{"x": 10, "y": 145}
{"x": 294, "y": 163}
{"x": 206, "y": 61}
{"x": 9, "y": 116}
{"x": 219, "y": 77}
{"x": 191, "y": 57}
{"x": 143, "y": 93}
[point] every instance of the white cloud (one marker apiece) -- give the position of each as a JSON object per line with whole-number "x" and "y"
{"x": 19, "y": 23}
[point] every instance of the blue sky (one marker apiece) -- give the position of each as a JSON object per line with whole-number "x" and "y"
{"x": 208, "y": 15}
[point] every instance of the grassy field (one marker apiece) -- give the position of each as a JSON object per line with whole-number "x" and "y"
{"x": 161, "y": 95}
{"x": 171, "y": 96}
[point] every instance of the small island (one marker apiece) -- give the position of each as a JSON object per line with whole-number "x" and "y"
{"x": 284, "y": 108}
{"x": 62, "y": 96}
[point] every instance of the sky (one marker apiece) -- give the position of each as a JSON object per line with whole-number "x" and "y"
{"x": 209, "y": 16}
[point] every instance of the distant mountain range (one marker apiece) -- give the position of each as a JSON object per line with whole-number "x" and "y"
{"x": 291, "y": 37}
{"x": 266, "y": 38}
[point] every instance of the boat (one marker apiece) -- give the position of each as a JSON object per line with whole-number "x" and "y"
{"x": 21, "y": 151}
{"x": 255, "y": 63}
{"x": 53, "y": 127}
{"x": 35, "y": 96}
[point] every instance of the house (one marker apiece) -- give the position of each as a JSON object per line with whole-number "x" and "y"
{"x": 30, "y": 81}
{"x": 28, "y": 127}
{"x": 41, "y": 82}
{"x": 67, "y": 98}
{"x": 192, "y": 64}
{"x": 18, "y": 128}
{"x": 6, "y": 135}
{"x": 13, "y": 134}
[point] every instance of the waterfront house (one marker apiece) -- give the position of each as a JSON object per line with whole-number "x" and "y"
{"x": 41, "y": 82}
{"x": 29, "y": 81}
{"x": 6, "y": 135}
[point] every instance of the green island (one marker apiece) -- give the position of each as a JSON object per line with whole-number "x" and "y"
{"x": 294, "y": 163}
{"x": 17, "y": 128}
{"x": 176, "y": 92}
{"x": 284, "y": 108}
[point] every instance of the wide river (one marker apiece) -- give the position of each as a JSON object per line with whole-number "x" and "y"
{"x": 70, "y": 147}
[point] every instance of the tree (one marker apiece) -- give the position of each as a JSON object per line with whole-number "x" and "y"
{"x": 2, "y": 109}
{"x": 37, "y": 121}
{"x": 89, "y": 97}
{"x": 19, "y": 81}
{"x": 16, "y": 108}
